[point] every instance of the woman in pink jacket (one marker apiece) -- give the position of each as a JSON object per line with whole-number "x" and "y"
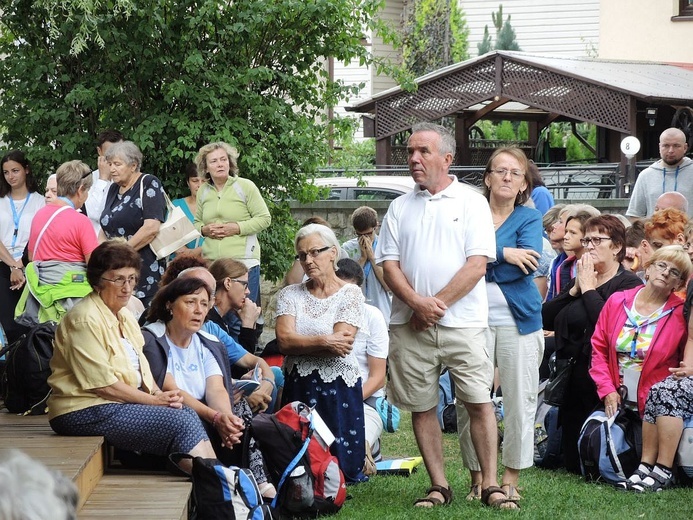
{"x": 641, "y": 332}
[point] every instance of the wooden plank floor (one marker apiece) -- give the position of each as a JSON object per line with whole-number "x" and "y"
{"x": 124, "y": 495}
{"x": 80, "y": 459}
{"x": 119, "y": 494}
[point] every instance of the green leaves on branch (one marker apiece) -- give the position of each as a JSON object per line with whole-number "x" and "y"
{"x": 173, "y": 75}
{"x": 435, "y": 36}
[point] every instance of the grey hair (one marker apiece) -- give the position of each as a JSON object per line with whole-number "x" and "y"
{"x": 447, "y": 140}
{"x": 573, "y": 209}
{"x": 72, "y": 175}
{"x": 127, "y": 151}
{"x": 326, "y": 234}
{"x": 29, "y": 490}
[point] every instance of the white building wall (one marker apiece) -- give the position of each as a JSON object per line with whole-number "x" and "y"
{"x": 555, "y": 27}
{"x": 354, "y": 74}
{"x": 643, "y": 30}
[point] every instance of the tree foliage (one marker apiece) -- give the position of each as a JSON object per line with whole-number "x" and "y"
{"x": 435, "y": 36}
{"x": 506, "y": 40}
{"x": 174, "y": 75}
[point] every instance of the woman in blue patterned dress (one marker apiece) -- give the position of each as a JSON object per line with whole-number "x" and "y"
{"x": 135, "y": 208}
{"x": 316, "y": 324}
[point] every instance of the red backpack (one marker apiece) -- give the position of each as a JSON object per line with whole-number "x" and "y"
{"x": 307, "y": 476}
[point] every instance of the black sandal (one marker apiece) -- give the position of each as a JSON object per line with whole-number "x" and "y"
{"x": 447, "y": 497}
{"x": 499, "y": 503}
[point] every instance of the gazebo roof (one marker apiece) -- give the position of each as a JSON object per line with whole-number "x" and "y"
{"x": 603, "y": 92}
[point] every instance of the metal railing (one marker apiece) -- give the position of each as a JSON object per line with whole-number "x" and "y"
{"x": 591, "y": 181}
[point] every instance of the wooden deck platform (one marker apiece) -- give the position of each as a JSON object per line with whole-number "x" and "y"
{"x": 103, "y": 493}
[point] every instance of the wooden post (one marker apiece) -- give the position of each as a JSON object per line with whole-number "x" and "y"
{"x": 383, "y": 151}
{"x": 464, "y": 155}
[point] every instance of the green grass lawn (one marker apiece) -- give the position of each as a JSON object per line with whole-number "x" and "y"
{"x": 547, "y": 494}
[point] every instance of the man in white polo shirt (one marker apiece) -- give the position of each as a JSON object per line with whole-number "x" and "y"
{"x": 434, "y": 245}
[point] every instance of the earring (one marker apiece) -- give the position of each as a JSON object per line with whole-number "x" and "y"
{"x": 647, "y": 276}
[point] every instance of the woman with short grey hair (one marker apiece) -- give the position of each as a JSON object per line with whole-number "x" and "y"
{"x": 316, "y": 324}
{"x": 61, "y": 240}
{"x": 135, "y": 208}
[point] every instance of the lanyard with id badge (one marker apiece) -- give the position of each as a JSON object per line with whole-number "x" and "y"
{"x": 631, "y": 375}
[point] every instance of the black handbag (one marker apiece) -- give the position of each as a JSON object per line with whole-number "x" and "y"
{"x": 561, "y": 371}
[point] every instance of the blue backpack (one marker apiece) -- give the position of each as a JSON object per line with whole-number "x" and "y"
{"x": 610, "y": 449}
{"x": 224, "y": 491}
{"x": 548, "y": 450}
{"x": 447, "y": 413}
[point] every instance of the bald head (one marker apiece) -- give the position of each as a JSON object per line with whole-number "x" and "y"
{"x": 672, "y": 146}
{"x": 202, "y": 274}
{"x": 672, "y": 199}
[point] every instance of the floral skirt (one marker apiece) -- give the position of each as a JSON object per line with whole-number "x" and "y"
{"x": 671, "y": 397}
{"x": 341, "y": 407}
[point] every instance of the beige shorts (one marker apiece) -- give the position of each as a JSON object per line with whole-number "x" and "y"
{"x": 416, "y": 359}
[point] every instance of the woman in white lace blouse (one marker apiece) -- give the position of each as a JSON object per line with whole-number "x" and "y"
{"x": 316, "y": 324}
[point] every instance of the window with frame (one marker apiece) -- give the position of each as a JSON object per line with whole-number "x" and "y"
{"x": 685, "y": 10}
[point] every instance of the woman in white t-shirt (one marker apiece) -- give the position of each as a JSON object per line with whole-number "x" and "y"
{"x": 183, "y": 357}
{"x": 19, "y": 202}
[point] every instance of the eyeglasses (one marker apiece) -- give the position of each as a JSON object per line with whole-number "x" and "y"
{"x": 663, "y": 268}
{"x": 244, "y": 283}
{"x": 502, "y": 172}
{"x": 595, "y": 241}
{"x": 121, "y": 281}
{"x": 86, "y": 174}
{"x": 301, "y": 257}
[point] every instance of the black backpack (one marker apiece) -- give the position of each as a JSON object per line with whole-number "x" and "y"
{"x": 25, "y": 380}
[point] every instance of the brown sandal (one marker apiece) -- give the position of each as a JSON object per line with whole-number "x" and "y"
{"x": 512, "y": 491}
{"x": 499, "y": 503}
{"x": 447, "y": 497}
{"x": 474, "y": 492}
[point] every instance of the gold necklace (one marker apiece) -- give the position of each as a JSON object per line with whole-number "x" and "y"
{"x": 499, "y": 222}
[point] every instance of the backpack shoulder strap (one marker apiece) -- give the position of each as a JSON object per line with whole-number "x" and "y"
{"x": 40, "y": 235}
{"x": 292, "y": 465}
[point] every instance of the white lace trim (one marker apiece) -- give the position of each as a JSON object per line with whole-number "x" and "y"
{"x": 316, "y": 317}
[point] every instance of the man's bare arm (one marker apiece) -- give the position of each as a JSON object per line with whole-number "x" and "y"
{"x": 427, "y": 309}
{"x": 464, "y": 280}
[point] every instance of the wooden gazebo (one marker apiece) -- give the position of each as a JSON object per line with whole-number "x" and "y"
{"x": 621, "y": 97}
